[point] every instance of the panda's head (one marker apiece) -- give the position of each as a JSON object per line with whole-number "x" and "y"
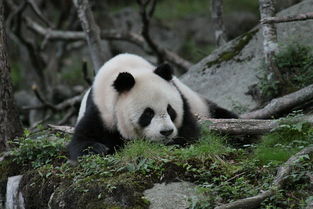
{"x": 148, "y": 105}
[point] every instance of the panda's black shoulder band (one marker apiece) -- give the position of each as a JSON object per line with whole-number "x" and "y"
{"x": 165, "y": 71}
{"x": 124, "y": 82}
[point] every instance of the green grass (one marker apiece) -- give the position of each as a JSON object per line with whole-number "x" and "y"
{"x": 278, "y": 146}
{"x": 209, "y": 146}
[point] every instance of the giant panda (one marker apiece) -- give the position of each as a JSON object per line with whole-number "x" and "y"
{"x": 131, "y": 98}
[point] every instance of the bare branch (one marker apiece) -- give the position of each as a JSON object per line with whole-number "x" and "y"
{"x": 37, "y": 11}
{"x": 291, "y": 18}
{"x": 282, "y": 104}
{"x": 146, "y": 15}
{"x": 42, "y": 99}
{"x": 65, "y": 129}
{"x": 70, "y": 113}
{"x": 92, "y": 32}
{"x": 109, "y": 35}
{"x": 137, "y": 39}
{"x": 175, "y": 59}
{"x": 52, "y": 34}
{"x": 59, "y": 107}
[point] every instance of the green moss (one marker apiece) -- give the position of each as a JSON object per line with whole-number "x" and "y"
{"x": 242, "y": 41}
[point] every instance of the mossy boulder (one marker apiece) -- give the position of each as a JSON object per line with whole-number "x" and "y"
{"x": 235, "y": 66}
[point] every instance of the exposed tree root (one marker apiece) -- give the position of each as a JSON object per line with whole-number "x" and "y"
{"x": 282, "y": 104}
{"x": 282, "y": 173}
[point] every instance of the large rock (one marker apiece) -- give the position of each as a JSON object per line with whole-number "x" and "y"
{"x": 225, "y": 75}
{"x": 175, "y": 195}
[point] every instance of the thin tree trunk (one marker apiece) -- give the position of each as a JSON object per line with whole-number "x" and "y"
{"x": 217, "y": 19}
{"x": 10, "y": 125}
{"x": 92, "y": 31}
{"x": 270, "y": 45}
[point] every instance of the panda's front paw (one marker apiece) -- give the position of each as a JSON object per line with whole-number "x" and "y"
{"x": 101, "y": 149}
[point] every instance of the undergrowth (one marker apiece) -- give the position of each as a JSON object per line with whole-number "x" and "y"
{"x": 222, "y": 172}
{"x": 295, "y": 63}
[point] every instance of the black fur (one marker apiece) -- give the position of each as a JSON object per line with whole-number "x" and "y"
{"x": 171, "y": 112}
{"x": 219, "y": 112}
{"x": 124, "y": 82}
{"x": 165, "y": 71}
{"x": 189, "y": 131}
{"x": 91, "y": 135}
{"x": 146, "y": 117}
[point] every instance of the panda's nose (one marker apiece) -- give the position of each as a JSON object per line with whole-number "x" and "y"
{"x": 166, "y": 132}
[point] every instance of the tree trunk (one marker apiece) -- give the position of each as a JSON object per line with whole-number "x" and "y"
{"x": 98, "y": 53}
{"x": 10, "y": 125}
{"x": 217, "y": 19}
{"x": 267, "y": 10}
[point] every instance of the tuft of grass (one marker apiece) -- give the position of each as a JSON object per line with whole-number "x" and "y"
{"x": 281, "y": 144}
{"x": 209, "y": 146}
{"x": 139, "y": 149}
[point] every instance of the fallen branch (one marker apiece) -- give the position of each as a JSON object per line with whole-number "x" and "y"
{"x": 282, "y": 173}
{"x": 243, "y": 126}
{"x": 65, "y": 129}
{"x": 250, "y": 126}
{"x": 291, "y": 18}
{"x": 92, "y": 32}
{"x": 282, "y": 104}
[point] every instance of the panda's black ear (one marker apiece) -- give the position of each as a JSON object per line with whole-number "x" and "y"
{"x": 124, "y": 82}
{"x": 165, "y": 71}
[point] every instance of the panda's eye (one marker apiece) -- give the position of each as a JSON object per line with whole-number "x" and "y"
{"x": 146, "y": 117}
{"x": 171, "y": 112}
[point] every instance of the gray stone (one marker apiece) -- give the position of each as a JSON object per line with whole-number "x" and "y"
{"x": 225, "y": 75}
{"x": 14, "y": 197}
{"x": 175, "y": 195}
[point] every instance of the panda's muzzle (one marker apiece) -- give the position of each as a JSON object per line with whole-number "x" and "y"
{"x": 166, "y": 133}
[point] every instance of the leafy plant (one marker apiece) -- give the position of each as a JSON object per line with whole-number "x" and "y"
{"x": 38, "y": 150}
{"x": 295, "y": 63}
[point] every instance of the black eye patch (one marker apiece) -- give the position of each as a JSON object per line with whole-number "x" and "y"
{"x": 146, "y": 117}
{"x": 171, "y": 112}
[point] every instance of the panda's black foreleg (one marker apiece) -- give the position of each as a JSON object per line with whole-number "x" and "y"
{"x": 79, "y": 148}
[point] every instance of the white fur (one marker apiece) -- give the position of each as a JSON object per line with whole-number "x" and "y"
{"x": 83, "y": 104}
{"x": 198, "y": 105}
{"x": 122, "y": 112}
{"x": 156, "y": 94}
